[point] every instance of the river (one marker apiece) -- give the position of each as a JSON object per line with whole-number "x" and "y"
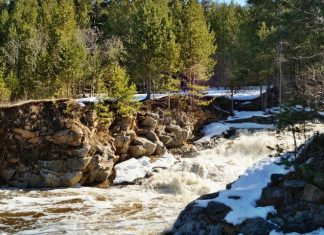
{"x": 149, "y": 208}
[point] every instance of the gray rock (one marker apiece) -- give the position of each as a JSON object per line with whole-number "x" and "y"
{"x": 294, "y": 184}
{"x": 77, "y": 164}
{"x": 54, "y": 165}
{"x": 319, "y": 180}
{"x": 33, "y": 180}
{"x": 271, "y": 196}
{"x": 257, "y": 226}
{"x": 50, "y": 180}
{"x": 313, "y": 194}
{"x": 303, "y": 217}
{"x": 216, "y": 211}
{"x": 277, "y": 178}
{"x": 293, "y": 190}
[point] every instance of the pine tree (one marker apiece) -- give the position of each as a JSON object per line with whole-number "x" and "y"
{"x": 197, "y": 45}
{"x": 152, "y": 49}
{"x": 118, "y": 88}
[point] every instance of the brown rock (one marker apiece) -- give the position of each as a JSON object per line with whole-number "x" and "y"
{"x": 71, "y": 178}
{"x": 67, "y": 137}
{"x": 136, "y": 151}
{"x": 149, "y": 122}
{"x": 148, "y": 145}
{"x": 122, "y": 143}
{"x": 7, "y": 173}
{"x": 24, "y": 133}
{"x": 160, "y": 148}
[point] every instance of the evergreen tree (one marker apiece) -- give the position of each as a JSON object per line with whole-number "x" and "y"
{"x": 152, "y": 49}
{"x": 197, "y": 45}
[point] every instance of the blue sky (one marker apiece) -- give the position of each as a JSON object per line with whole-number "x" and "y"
{"x": 242, "y": 2}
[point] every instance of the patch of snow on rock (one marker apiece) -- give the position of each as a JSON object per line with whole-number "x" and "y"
{"x": 247, "y": 190}
{"x": 133, "y": 169}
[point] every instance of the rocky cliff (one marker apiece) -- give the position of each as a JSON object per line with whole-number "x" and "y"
{"x": 60, "y": 143}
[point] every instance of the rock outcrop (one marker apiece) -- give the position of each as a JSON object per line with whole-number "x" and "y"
{"x": 51, "y": 144}
{"x": 59, "y": 143}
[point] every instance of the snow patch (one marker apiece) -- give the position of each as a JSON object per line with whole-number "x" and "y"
{"x": 133, "y": 169}
{"x": 245, "y": 94}
{"x": 218, "y": 128}
{"x": 248, "y": 188}
{"x": 82, "y": 102}
{"x": 247, "y": 114}
{"x": 140, "y": 97}
{"x": 321, "y": 113}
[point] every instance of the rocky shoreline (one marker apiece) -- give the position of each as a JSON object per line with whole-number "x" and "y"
{"x": 298, "y": 199}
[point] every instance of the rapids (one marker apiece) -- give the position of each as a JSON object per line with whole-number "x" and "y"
{"x": 149, "y": 208}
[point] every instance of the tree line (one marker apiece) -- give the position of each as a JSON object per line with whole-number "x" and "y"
{"x": 69, "y": 48}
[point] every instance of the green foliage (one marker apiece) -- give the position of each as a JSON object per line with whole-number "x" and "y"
{"x": 152, "y": 48}
{"x": 120, "y": 90}
{"x": 197, "y": 44}
{"x": 103, "y": 113}
{"x": 4, "y": 90}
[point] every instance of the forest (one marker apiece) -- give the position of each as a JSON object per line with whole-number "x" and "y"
{"x": 77, "y": 48}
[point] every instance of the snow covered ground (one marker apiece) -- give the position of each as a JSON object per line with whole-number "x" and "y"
{"x": 246, "y": 191}
{"x": 247, "y": 114}
{"x": 246, "y": 94}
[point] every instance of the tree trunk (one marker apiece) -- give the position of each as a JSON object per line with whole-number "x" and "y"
{"x": 295, "y": 141}
{"x": 261, "y": 97}
{"x": 232, "y": 101}
{"x": 280, "y": 72}
{"x": 148, "y": 88}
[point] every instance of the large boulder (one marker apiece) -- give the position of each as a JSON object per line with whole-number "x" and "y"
{"x": 140, "y": 144}
{"x": 198, "y": 220}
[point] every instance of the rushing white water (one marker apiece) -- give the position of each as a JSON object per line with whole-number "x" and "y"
{"x": 149, "y": 208}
